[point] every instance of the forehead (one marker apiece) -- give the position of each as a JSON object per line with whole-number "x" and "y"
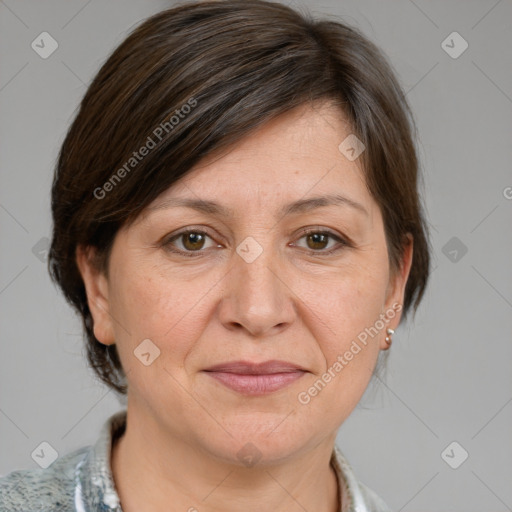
{"x": 294, "y": 158}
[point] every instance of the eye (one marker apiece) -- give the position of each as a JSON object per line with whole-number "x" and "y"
{"x": 318, "y": 241}
{"x": 191, "y": 241}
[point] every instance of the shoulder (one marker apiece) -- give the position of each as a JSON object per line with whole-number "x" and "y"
{"x": 42, "y": 490}
{"x": 78, "y": 481}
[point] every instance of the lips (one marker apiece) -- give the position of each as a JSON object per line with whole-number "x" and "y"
{"x": 248, "y": 368}
{"x": 251, "y": 378}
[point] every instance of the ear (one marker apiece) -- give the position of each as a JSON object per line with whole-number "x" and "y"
{"x": 96, "y": 287}
{"x": 396, "y": 287}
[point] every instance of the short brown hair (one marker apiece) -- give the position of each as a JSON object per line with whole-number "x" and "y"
{"x": 235, "y": 65}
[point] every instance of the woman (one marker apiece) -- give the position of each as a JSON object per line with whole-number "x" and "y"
{"x": 237, "y": 221}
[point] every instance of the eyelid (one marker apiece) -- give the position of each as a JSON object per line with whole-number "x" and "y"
{"x": 166, "y": 240}
{"x": 342, "y": 240}
{"x": 322, "y": 230}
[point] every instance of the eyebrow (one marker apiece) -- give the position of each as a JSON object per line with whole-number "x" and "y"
{"x": 300, "y": 206}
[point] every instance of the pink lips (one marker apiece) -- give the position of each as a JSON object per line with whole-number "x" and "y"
{"x": 256, "y": 378}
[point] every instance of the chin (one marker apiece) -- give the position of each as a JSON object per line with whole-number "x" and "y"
{"x": 261, "y": 440}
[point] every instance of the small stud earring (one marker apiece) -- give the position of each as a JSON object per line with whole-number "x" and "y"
{"x": 389, "y": 340}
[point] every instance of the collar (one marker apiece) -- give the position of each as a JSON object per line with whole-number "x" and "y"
{"x": 94, "y": 483}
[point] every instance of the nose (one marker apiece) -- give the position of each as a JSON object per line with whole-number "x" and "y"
{"x": 257, "y": 296}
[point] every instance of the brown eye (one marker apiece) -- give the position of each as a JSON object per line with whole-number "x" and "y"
{"x": 192, "y": 241}
{"x": 188, "y": 243}
{"x": 317, "y": 241}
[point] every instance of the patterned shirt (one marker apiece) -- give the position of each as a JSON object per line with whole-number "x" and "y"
{"x": 82, "y": 481}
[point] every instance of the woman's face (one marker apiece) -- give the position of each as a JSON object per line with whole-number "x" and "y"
{"x": 273, "y": 269}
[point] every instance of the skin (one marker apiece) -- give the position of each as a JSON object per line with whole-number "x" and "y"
{"x": 293, "y": 303}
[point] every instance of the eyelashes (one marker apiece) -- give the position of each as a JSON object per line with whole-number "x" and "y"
{"x": 193, "y": 241}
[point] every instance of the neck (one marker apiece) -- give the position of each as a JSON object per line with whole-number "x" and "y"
{"x": 155, "y": 472}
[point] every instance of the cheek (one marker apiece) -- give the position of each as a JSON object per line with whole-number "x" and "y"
{"x": 165, "y": 307}
{"x": 343, "y": 314}
{"x": 349, "y": 355}
{"x": 347, "y": 303}
{"x": 158, "y": 307}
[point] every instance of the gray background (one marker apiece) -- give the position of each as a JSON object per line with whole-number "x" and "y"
{"x": 448, "y": 377}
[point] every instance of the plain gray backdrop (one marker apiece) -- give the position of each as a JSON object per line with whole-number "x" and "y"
{"x": 448, "y": 374}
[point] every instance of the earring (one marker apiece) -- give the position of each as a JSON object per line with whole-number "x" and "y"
{"x": 389, "y": 340}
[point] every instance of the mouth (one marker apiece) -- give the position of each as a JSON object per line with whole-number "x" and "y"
{"x": 249, "y": 378}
